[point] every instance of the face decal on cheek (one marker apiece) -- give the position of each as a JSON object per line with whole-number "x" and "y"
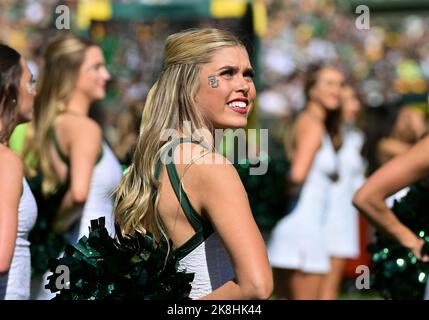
{"x": 213, "y": 81}
{"x": 226, "y": 91}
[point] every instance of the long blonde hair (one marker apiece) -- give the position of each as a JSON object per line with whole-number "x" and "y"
{"x": 170, "y": 102}
{"x": 62, "y": 60}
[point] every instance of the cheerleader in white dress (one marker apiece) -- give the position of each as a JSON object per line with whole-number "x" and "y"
{"x": 342, "y": 228}
{"x": 297, "y": 246}
{"x": 298, "y": 240}
{"x": 213, "y": 233}
{"x": 18, "y": 209}
{"x": 66, "y": 146}
{"x": 105, "y": 178}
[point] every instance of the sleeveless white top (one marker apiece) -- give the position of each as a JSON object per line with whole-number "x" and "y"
{"x": 16, "y": 284}
{"x": 298, "y": 240}
{"x": 106, "y": 176}
{"x": 211, "y": 264}
{"x": 342, "y": 228}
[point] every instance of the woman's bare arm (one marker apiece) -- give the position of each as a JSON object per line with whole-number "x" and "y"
{"x": 84, "y": 149}
{"x": 392, "y": 177}
{"x": 308, "y": 135}
{"x": 223, "y": 199}
{"x": 11, "y": 173}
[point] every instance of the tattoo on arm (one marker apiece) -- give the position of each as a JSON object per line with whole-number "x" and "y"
{"x": 213, "y": 81}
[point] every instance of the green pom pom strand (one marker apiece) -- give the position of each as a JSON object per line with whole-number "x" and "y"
{"x": 123, "y": 268}
{"x": 396, "y": 273}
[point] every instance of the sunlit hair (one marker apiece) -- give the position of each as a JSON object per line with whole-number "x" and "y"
{"x": 170, "y": 102}
{"x": 62, "y": 60}
{"x": 10, "y": 76}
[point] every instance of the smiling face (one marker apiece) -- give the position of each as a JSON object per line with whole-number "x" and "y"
{"x": 226, "y": 92}
{"x": 27, "y": 93}
{"x": 327, "y": 89}
{"x": 93, "y": 75}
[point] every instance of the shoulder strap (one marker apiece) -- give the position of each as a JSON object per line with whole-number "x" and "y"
{"x": 61, "y": 154}
{"x": 203, "y": 229}
{"x": 186, "y": 205}
{"x": 199, "y": 237}
{"x": 54, "y": 139}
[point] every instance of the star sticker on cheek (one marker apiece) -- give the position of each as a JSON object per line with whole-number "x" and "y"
{"x": 213, "y": 81}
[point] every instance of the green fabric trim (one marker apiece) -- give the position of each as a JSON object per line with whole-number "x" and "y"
{"x": 199, "y": 237}
{"x": 62, "y": 156}
{"x": 189, "y": 211}
{"x": 203, "y": 229}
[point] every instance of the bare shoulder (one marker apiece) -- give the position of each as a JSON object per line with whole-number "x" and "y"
{"x": 309, "y": 128}
{"x": 81, "y": 127}
{"x": 85, "y": 125}
{"x": 206, "y": 175}
{"x": 11, "y": 164}
{"x": 213, "y": 170}
{"x": 309, "y": 123}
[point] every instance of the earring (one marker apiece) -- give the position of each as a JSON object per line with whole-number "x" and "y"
{"x": 61, "y": 107}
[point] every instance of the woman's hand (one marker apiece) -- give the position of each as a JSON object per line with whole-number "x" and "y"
{"x": 417, "y": 250}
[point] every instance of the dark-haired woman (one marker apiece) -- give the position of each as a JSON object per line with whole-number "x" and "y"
{"x": 18, "y": 210}
{"x": 297, "y": 249}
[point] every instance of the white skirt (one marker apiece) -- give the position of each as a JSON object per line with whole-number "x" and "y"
{"x": 297, "y": 245}
{"x": 342, "y": 232}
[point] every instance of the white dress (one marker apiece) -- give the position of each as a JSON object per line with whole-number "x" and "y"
{"x": 16, "y": 284}
{"x": 342, "y": 224}
{"x": 105, "y": 177}
{"x": 298, "y": 240}
{"x": 211, "y": 264}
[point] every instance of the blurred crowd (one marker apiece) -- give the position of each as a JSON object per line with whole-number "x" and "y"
{"x": 387, "y": 65}
{"x": 389, "y": 58}
{"x": 388, "y": 61}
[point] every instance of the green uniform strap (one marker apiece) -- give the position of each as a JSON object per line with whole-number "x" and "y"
{"x": 203, "y": 228}
{"x": 62, "y": 156}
